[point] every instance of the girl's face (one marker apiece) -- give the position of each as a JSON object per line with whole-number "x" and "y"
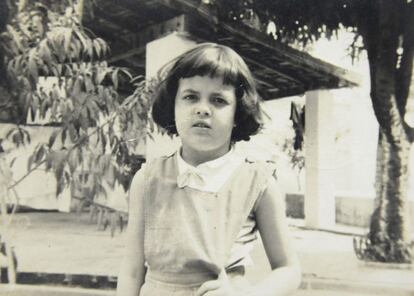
{"x": 204, "y": 117}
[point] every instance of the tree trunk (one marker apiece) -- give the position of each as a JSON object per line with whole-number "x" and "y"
{"x": 388, "y": 239}
{"x": 5, "y": 237}
{"x": 378, "y": 229}
{"x": 397, "y": 171}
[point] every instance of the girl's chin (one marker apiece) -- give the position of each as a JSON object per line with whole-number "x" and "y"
{"x": 207, "y": 149}
{"x": 198, "y": 157}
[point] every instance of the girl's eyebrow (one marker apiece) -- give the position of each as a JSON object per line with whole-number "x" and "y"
{"x": 222, "y": 93}
{"x": 190, "y": 90}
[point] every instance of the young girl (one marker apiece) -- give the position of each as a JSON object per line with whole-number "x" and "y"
{"x": 193, "y": 215}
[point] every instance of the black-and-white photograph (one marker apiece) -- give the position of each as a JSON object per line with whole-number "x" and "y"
{"x": 206, "y": 147}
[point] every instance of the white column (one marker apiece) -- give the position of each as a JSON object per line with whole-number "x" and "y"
{"x": 158, "y": 53}
{"x": 319, "y": 145}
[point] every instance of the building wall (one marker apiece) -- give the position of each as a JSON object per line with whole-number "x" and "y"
{"x": 353, "y": 210}
{"x": 38, "y": 189}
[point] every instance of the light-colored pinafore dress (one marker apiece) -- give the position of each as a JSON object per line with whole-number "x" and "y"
{"x": 189, "y": 233}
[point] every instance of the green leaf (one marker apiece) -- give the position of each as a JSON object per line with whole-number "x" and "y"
{"x": 68, "y": 70}
{"x": 44, "y": 107}
{"x": 82, "y": 67}
{"x": 33, "y": 70}
{"x": 60, "y": 50}
{"x": 110, "y": 177}
{"x": 60, "y": 69}
{"x": 84, "y": 122}
{"x": 55, "y": 71}
{"x": 32, "y": 110}
{"x": 68, "y": 37}
{"x": 30, "y": 162}
{"x": 45, "y": 54}
{"x": 73, "y": 160}
{"x": 40, "y": 153}
{"x": 49, "y": 161}
{"x": 104, "y": 46}
{"x": 80, "y": 156}
{"x": 82, "y": 98}
{"x": 76, "y": 49}
{"x": 28, "y": 100}
{"x": 89, "y": 48}
{"x": 89, "y": 86}
{"x": 17, "y": 139}
{"x": 81, "y": 38}
{"x": 127, "y": 73}
{"x": 16, "y": 37}
{"x": 93, "y": 107}
{"x": 97, "y": 47}
{"x": 10, "y": 133}
{"x": 113, "y": 141}
{"x": 73, "y": 134}
{"x": 103, "y": 141}
{"x": 22, "y": 136}
{"x": 60, "y": 185}
{"x": 115, "y": 78}
{"x": 12, "y": 161}
{"x": 63, "y": 137}
{"x": 77, "y": 87}
{"x": 101, "y": 75}
{"x": 52, "y": 138}
{"x": 75, "y": 67}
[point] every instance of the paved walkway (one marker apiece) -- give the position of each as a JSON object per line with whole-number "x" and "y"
{"x": 52, "y": 242}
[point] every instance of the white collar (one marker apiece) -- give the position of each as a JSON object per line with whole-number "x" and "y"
{"x": 209, "y": 176}
{"x": 204, "y": 167}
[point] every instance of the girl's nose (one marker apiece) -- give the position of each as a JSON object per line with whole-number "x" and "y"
{"x": 202, "y": 110}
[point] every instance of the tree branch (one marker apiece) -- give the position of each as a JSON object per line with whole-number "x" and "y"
{"x": 80, "y": 141}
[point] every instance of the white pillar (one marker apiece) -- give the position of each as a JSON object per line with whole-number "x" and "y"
{"x": 158, "y": 53}
{"x": 319, "y": 144}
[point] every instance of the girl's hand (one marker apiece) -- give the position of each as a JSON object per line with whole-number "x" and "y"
{"x": 219, "y": 287}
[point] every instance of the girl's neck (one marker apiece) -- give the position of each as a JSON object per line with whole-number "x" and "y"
{"x": 196, "y": 158}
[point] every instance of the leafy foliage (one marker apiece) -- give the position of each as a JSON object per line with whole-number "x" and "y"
{"x": 59, "y": 74}
{"x": 386, "y": 250}
{"x": 297, "y": 20}
{"x": 297, "y": 158}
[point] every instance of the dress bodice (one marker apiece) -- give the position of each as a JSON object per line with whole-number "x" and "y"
{"x": 190, "y": 231}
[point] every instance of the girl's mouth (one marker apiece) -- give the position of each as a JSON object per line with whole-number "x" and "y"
{"x": 201, "y": 125}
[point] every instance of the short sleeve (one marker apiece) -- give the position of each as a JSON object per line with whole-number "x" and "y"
{"x": 265, "y": 177}
{"x": 137, "y": 188}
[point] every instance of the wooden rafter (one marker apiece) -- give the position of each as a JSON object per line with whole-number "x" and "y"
{"x": 279, "y": 69}
{"x": 136, "y": 42}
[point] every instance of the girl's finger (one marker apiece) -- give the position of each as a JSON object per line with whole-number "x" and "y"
{"x": 208, "y": 286}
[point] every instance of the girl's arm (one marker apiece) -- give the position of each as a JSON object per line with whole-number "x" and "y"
{"x": 132, "y": 273}
{"x": 286, "y": 275}
{"x": 271, "y": 219}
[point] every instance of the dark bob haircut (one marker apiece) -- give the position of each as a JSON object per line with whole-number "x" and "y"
{"x": 210, "y": 59}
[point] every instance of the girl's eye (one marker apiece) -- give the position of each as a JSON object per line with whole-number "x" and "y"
{"x": 190, "y": 97}
{"x": 219, "y": 101}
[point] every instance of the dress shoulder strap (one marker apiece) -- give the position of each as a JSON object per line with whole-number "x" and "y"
{"x": 161, "y": 167}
